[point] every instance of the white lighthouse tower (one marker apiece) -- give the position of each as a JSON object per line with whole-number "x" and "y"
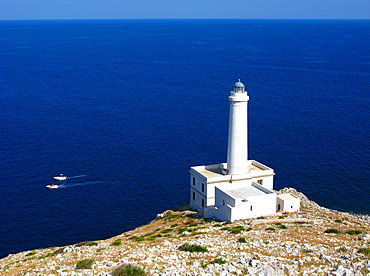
{"x": 240, "y": 188}
{"x": 237, "y": 150}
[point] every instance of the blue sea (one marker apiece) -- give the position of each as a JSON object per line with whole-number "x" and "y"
{"x": 125, "y": 107}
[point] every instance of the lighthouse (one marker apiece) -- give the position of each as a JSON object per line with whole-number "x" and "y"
{"x": 240, "y": 188}
{"x": 237, "y": 150}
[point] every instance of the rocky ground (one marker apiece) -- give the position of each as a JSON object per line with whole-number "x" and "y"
{"x": 318, "y": 241}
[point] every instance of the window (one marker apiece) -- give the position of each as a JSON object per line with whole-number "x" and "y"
{"x": 251, "y": 208}
{"x": 202, "y": 202}
{"x": 202, "y": 187}
{"x": 193, "y": 181}
{"x": 223, "y": 203}
{"x": 193, "y": 196}
{"x": 260, "y": 181}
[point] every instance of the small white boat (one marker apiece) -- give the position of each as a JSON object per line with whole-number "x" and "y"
{"x": 61, "y": 177}
{"x": 52, "y": 186}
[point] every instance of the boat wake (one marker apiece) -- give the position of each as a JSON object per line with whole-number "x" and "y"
{"x": 77, "y": 176}
{"x": 69, "y": 185}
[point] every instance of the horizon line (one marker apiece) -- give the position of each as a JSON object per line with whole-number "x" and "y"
{"x": 43, "y": 19}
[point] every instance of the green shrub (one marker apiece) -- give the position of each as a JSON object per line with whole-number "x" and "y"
{"x": 56, "y": 252}
{"x": 203, "y": 264}
{"x": 117, "y": 242}
{"x": 87, "y": 243}
{"x": 129, "y": 270}
{"x": 85, "y": 264}
{"x": 182, "y": 230}
{"x": 217, "y": 225}
{"x": 242, "y": 239}
{"x": 237, "y": 229}
{"x": 169, "y": 215}
{"x": 192, "y": 248}
{"x": 249, "y": 229}
{"x": 193, "y": 224}
{"x": 282, "y": 226}
{"x": 261, "y": 217}
{"x": 219, "y": 261}
{"x": 227, "y": 222}
{"x": 31, "y": 253}
{"x": 365, "y": 251}
{"x": 166, "y": 230}
{"x": 332, "y": 231}
{"x": 339, "y": 220}
{"x": 354, "y": 232}
{"x": 174, "y": 225}
{"x": 270, "y": 229}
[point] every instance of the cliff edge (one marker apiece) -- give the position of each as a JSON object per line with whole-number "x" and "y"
{"x": 317, "y": 241}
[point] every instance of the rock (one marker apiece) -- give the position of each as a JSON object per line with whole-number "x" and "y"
{"x": 251, "y": 270}
{"x": 254, "y": 263}
{"x": 341, "y": 271}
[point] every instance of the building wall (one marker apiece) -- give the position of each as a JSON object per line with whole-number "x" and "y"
{"x": 198, "y": 193}
{"x": 265, "y": 181}
{"x": 287, "y": 205}
{"x": 230, "y": 209}
{"x": 202, "y": 190}
{"x": 211, "y": 189}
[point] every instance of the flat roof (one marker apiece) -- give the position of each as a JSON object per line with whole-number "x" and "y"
{"x": 243, "y": 192}
{"x": 210, "y": 171}
{"x": 286, "y": 197}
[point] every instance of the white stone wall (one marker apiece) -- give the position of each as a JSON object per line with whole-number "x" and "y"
{"x": 235, "y": 209}
{"x": 287, "y": 205}
{"x": 211, "y": 189}
{"x": 198, "y": 192}
{"x": 267, "y": 181}
{"x": 237, "y": 153}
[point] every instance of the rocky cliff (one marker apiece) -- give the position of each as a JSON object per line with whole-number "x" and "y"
{"x": 318, "y": 241}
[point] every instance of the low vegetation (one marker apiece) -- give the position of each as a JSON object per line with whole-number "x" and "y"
{"x": 180, "y": 230}
{"x": 219, "y": 261}
{"x": 354, "y": 232}
{"x": 365, "y": 251}
{"x": 85, "y": 264}
{"x": 242, "y": 239}
{"x": 129, "y": 270}
{"x": 332, "y": 231}
{"x": 117, "y": 242}
{"x": 192, "y": 248}
{"x": 86, "y": 243}
{"x": 237, "y": 229}
{"x": 58, "y": 251}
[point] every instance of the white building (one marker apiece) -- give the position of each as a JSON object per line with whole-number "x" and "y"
{"x": 240, "y": 188}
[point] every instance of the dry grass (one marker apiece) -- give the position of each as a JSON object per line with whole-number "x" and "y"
{"x": 310, "y": 232}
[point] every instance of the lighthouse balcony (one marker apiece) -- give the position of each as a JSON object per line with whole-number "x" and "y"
{"x": 216, "y": 173}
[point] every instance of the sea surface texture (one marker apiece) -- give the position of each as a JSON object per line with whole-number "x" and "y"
{"x": 125, "y": 107}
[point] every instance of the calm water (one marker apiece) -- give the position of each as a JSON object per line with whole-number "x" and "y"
{"x": 125, "y": 107}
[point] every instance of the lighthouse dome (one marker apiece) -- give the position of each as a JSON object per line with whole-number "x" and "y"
{"x": 239, "y": 87}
